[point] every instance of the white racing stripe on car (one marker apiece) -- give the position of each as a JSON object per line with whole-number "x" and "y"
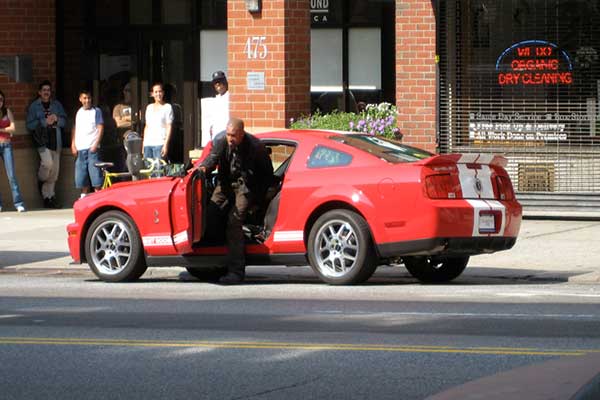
{"x": 468, "y": 181}
{"x": 288, "y": 236}
{"x": 496, "y": 205}
{"x": 485, "y": 176}
{"x": 478, "y": 205}
{"x": 477, "y": 184}
{"x": 468, "y": 158}
{"x": 150, "y": 241}
{"x": 485, "y": 158}
{"x": 180, "y": 237}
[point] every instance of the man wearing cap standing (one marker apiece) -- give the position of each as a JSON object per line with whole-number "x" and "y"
{"x": 220, "y": 115}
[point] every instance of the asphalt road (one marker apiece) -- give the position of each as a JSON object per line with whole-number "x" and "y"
{"x": 64, "y": 336}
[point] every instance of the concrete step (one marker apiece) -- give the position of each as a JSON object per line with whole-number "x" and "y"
{"x": 557, "y": 205}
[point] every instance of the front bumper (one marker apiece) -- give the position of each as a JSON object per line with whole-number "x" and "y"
{"x": 73, "y": 234}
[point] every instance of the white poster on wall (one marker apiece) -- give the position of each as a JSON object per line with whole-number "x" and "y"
{"x": 207, "y": 105}
{"x": 213, "y": 53}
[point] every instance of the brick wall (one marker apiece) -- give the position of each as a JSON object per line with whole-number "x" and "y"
{"x": 416, "y": 72}
{"x": 285, "y": 26}
{"x": 27, "y": 27}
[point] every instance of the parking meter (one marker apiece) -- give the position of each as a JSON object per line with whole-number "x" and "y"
{"x": 135, "y": 159}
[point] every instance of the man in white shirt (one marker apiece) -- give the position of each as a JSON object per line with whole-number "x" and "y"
{"x": 87, "y": 134}
{"x": 220, "y": 114}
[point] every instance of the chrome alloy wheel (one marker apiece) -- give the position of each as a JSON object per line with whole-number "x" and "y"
{"x": 336, "y": 248}
{"x": 110, "y": 246}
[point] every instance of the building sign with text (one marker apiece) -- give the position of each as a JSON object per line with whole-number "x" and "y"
{"x": 319, "y": 11}
{"x": 521, "y": 127}
{"x": 534, "y": 62}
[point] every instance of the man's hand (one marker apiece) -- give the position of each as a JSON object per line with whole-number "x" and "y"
{"x": 51, "y": 119}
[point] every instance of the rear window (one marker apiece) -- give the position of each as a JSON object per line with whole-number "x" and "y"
{"x": 385, "y": 149}
{"x": 323, "y": 156}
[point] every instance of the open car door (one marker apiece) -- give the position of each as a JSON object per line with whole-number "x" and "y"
{"x": 187, "y": 211}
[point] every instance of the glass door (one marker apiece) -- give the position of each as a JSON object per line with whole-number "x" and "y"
{"x": 167, "y": 59}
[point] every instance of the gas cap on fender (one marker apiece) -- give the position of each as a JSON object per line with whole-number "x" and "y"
{"x": 385, "y": 187}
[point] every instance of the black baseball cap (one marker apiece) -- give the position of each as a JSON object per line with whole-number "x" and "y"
{"x": 218, "y": 76}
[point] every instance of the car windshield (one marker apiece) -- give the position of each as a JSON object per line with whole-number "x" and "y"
{"x": 383, "y": 148}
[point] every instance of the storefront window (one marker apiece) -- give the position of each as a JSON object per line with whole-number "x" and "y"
{"x": 348, "y": 55}
{"x": 364, "y": 58}
{"x": 109, "y": 12}
{"x": 326, "y": 60}
{"x": 213, "y": 14}
{"x": 76, "y": 15}
{"x": 522, "y": 78}
{"x": 140, "y": 12}
{"x": 176, "y": 11}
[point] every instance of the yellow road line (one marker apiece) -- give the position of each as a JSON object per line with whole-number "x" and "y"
{"x": 296, "y": 346}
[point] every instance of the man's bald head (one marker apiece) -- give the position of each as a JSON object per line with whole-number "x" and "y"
{"x": 236, "y": 123}
{"x": 235, "y": 131}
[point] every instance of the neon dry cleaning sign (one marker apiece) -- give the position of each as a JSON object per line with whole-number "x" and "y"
{"x": 534, "y": 62}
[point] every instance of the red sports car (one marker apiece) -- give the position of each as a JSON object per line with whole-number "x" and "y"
{"x": 343, "y": 202}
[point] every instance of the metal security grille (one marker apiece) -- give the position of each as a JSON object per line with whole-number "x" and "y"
{"x": 521, "y": 78}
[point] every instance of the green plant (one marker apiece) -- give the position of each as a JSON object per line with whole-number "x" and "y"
{"x": 376, "y": 119}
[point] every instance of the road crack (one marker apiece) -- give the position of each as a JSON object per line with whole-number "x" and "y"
{"x": 277, "y": 389}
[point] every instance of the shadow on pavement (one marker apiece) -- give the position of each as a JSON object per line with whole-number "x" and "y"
{"x": 14, "y": 258}
{"x": 384, "y": 276}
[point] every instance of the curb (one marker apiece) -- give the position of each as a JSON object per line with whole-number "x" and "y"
{"x": 568, "y": 378}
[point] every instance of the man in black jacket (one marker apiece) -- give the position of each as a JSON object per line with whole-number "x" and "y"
{"x": 245, "y": 173}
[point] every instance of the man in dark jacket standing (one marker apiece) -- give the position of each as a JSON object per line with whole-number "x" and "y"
{"x": 245, "y": 173}
{"x": 45, "y": 120}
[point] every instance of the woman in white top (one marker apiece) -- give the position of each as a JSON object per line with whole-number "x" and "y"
{"x": 159, "y": 118}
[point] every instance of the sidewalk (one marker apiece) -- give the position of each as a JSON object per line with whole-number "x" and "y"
{"x": 545, "y": 250}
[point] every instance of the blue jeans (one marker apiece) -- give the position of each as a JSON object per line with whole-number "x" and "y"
{"x": 9, "y": 165}
{"x": 86, "y": 171}
{"x": 152, "y": 151}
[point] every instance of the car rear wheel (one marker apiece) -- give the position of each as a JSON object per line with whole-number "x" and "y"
{"x": 435, "y": 269}
{"x": 209, "y": 274}
{"x": 340, "y": 249}
{"x": 113, "y": 248}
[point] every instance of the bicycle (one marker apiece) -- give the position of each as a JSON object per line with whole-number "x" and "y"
{"x": 156, "y": 166}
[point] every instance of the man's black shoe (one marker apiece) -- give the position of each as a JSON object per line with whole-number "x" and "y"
{"x": 52, "y": 203}
{"x": 40, "y": 184}
{"x": 231, "y": 279}
{"x": 47, "y": 202}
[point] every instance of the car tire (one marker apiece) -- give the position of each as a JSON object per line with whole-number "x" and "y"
{"x": 435, "y": 269}
{"x": 340, "y": 249}
{"x": 211, "y": 274}
{"x": 113, "y": 248}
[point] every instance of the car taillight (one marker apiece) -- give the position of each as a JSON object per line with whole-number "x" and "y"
{"x": 504, "y": 189}
{"x": 443, "y": 186}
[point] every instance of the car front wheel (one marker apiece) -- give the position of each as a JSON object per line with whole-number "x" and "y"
{"x": 435, "y": 269}
{"x": 113, "y": 248}
{"x": 340, "y": 249}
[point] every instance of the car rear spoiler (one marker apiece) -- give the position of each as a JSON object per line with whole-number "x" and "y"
{"x": 469, "y": 158}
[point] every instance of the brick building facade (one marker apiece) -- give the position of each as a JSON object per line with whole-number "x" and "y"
{"x": 51, "y": 30}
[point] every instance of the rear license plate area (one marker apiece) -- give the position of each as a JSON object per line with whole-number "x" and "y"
{"x": 487, "y": 222}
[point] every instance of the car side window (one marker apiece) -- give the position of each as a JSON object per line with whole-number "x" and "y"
{"x": 322, "y": 156}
